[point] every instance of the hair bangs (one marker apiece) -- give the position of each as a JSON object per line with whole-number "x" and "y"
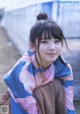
{"x": 51, "y": 31}
{"x": 56, "y": 32}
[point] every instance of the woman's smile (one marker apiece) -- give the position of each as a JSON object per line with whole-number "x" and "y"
{"x": 51, "y": 54}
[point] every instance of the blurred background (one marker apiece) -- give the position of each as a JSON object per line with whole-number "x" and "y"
{"x": 16, "y": 19}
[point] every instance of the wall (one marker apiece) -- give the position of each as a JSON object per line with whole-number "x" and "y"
{"x": 19, "y": 18}
{"x": 19, "y": 21}
{"x": 69, "y": 19}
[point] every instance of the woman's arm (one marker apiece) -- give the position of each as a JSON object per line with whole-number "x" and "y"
{"x": 18, "y": 92}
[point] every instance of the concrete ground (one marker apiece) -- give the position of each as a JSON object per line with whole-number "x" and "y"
{"x": 9, "y": 54}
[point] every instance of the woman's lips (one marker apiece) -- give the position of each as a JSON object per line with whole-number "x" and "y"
{"x": 51, "y": 54}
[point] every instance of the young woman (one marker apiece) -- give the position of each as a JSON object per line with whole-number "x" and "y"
{"x": 37, "y": 68}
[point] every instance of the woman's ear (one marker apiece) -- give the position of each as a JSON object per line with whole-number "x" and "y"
{"x": 32, "y": 47}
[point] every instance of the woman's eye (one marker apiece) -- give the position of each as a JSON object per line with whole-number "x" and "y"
{"x": 57, "y": 41}
{"x": 45, "y": 42}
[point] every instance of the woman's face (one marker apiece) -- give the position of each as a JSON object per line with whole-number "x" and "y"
{"x": 49, "y": 50}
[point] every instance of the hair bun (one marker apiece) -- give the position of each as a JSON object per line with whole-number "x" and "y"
{"x": 42, "y": 16}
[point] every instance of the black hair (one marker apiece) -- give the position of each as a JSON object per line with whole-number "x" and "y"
{"x": 45, "y": 27}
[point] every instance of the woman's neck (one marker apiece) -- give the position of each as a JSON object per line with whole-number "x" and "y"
{"x": 41, "y": 64}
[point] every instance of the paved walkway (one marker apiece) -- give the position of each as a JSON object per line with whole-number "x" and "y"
{"x": 9, "y": 55}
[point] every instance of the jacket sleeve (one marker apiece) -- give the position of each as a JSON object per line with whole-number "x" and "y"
{"x": 69, "y": 89}
{"x": 22, "y": 97}
{"x": 64, "y": 72}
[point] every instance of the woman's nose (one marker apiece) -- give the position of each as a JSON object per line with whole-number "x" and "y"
{"x": 52, "y": 46}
